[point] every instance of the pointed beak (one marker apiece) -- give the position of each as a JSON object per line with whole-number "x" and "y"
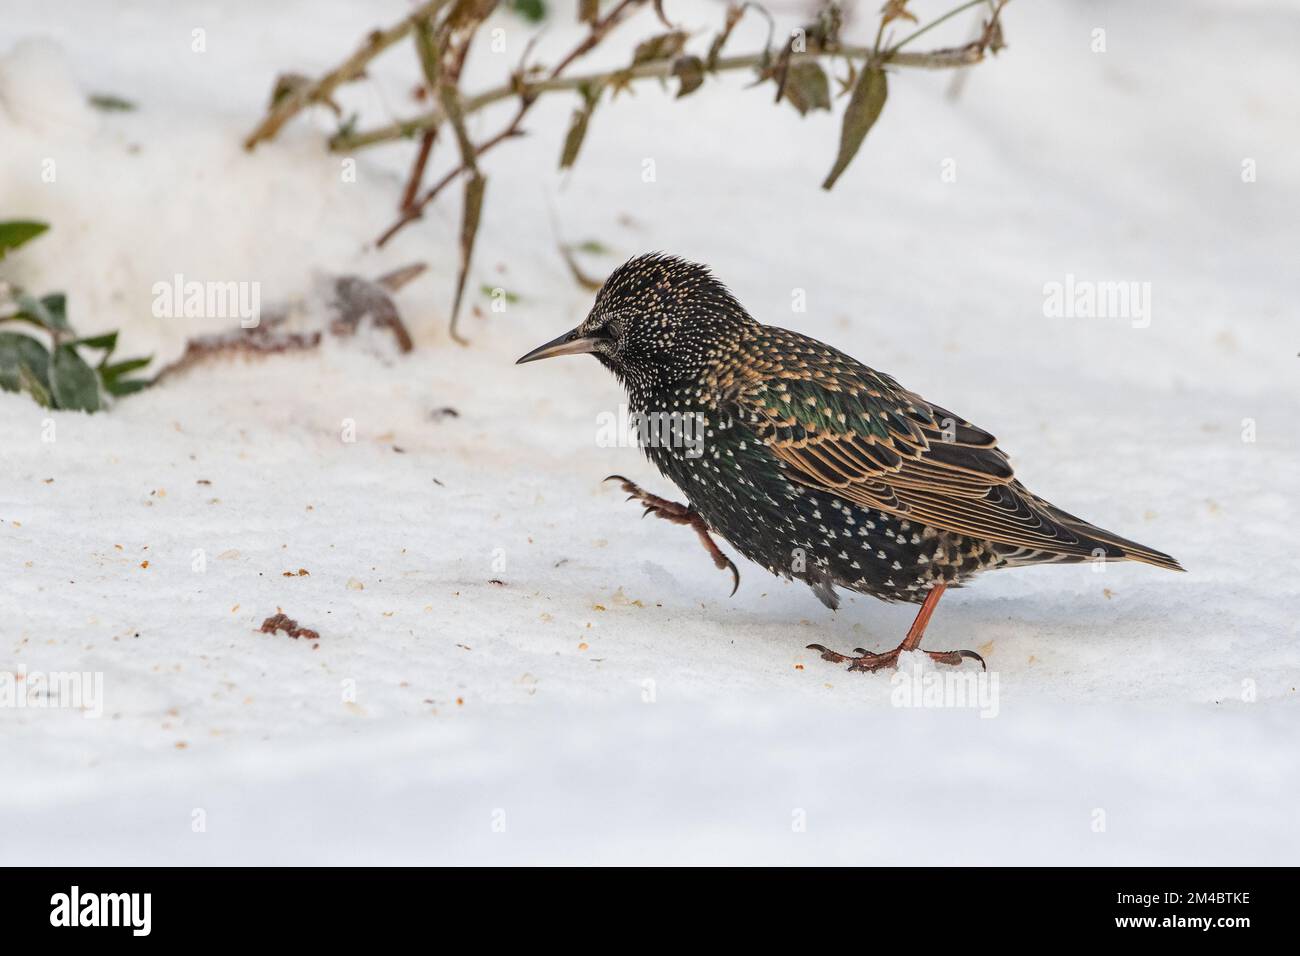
{"x": 570, "y": 343}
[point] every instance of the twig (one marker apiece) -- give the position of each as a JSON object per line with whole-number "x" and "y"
{"x": 947, "y": 16}
{"x": 580, "y": 277}
{"x": 958, "y": 82}
{"x": 442, "y": 74}
{"x": 417, "y": 170}
{"x": 967, "y": 55}
{"x": 395, "y": 280}
{"x": 570, "y": 260}
{"x": 417, "y": 210}
{"x": 352, "y": 68}
{"x": 526, "y": 99}
{"x": 598, "y": 31}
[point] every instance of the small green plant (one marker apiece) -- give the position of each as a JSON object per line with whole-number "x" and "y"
{"x": 57, "y": 374}
{"x": 534, "y": 11}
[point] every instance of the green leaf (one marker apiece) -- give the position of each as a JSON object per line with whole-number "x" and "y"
{"x": 128, "y": 387}
{"x": 15, "y": 232}
{"x": 864, "y": 108}
{"x": 578, "y": 126}
{"x": 18, "y": 351}
{"x": 105, "y": 343}
{"x": 534, "y": 11}
{"x": 49, "y": 312}
{"x": 118, "y": 369}
{"x": 113, "y": 377}
{"x": 349, "y": 126}
{"x": 56, "y": 306}
{"x": 110, "y": 103}
{"x": 573, "y": 139}
{"x": 806, "y": 87}
{"x": 690, "y": 70}
{"x": 33, "y": 386}
{"x": 32, "y": 309}
{"x": 490, "y": 292}
{"x": 73, "y": 383}
{"x": 429, "y": 48}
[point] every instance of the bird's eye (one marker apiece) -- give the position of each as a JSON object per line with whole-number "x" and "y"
{"x": 612, "y": 329}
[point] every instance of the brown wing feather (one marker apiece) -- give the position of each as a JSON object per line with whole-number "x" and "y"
{"x": 843, "y": 428}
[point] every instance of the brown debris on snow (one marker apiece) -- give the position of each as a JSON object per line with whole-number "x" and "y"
{"x": 265, "y": 339}
{"x": 283, "y": 622}
{"x": 352, "y": 300}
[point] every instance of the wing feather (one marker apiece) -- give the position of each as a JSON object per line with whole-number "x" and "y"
{"x": 846, "y": 429}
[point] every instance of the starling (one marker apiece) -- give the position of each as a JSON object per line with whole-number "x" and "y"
{"x": 810, "y": 463}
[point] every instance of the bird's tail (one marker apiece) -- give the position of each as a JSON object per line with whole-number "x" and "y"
{"x": 1112, "y": 546}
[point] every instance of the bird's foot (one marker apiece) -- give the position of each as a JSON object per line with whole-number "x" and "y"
{"x": 867, "y": 662}
{"x": 679, "y": 513}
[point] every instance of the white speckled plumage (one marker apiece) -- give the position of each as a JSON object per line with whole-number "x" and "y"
{"x": 812, "y": 464}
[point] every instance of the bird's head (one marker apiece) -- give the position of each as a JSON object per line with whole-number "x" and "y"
{"x": 658, "y": 319}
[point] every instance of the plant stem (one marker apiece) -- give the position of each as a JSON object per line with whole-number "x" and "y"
{"x": 661, "y": 69}
{"x": 934, "y": 23}
{"x": 526, "y": 99}
{"x": 350, "y": 69}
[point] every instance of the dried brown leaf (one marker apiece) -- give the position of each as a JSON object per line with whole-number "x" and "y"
{"x": 734, "y": 13}
{"x": 896, "y": 10}
{"x": 806, "y": 87}
{"x": 475, "y": 186}
{"x": 690, "y": 70}
{"x": 864, "y": 108}
{"x": 663, "y": 46}
{"x": 578, "y": 126}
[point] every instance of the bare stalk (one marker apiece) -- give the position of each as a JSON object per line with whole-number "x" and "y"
{"x": 599, "y": 29}
{"x": 951, "y": 58}
{"x": 293, "y": 102}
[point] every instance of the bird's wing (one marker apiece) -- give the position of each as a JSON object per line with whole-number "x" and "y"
{"x": 846, "y": 429}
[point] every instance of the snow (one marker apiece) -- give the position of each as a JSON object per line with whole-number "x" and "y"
{"x": 606, "y": 701}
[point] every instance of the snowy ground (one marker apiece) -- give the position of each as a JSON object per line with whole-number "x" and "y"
{"x": 607, "y": 701}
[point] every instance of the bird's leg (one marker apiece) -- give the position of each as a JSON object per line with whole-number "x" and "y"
{"x": 874, "y": 662}
{"x": 680, "y": 514}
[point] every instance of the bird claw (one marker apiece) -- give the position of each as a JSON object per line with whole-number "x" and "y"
{"x": 735, "y": 575}
{"x": 866, "y": 662}
{"x": 972, "y": 656}
{"x": 680, "y": 514}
